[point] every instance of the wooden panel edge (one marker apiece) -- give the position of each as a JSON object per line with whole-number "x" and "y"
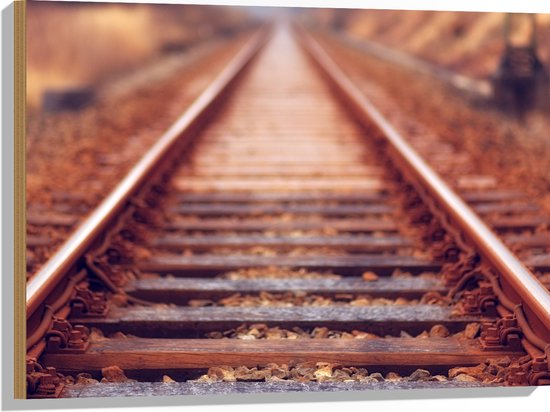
{"x": 19, "y": 333}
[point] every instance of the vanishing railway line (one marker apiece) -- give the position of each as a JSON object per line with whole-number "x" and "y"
{"x": 283, "y": 236}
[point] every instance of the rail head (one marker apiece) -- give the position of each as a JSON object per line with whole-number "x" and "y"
{"x": 55, "y": 269}
{"x": 530, "y": 290}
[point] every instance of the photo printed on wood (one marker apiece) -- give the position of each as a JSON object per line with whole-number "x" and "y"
{"x": 225, "y": 199}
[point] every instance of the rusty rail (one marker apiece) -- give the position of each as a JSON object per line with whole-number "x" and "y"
{"x": 529, "y": 289}
{"x": 56, "y": 268}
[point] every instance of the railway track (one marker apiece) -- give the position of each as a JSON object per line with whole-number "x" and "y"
{"x": 282, "y": 236}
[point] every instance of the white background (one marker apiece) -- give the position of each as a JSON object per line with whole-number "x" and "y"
{"x": 538, "y": 400}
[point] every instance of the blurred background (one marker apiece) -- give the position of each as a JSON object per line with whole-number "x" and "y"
{"x": 70, "y": 45}
{"x": 468, "y": 42}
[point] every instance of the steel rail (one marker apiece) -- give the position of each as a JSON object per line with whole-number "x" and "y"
{"x": 55, "y": 269}
{"x": 524, "y": 283}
